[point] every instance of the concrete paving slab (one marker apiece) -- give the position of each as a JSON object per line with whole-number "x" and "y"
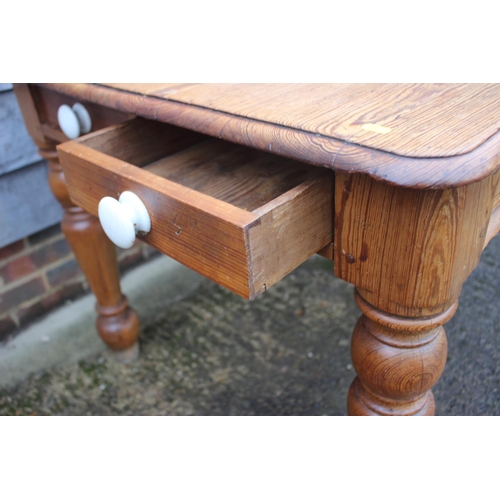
{"x": 68, "y": 335}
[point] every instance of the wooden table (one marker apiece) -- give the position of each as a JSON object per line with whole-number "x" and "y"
{"x": 397, "y": 184}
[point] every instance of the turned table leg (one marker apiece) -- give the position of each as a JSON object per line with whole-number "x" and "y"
{"x": 408, "y": 253}
{"x": 117, "y": 324}
{"x": 397, "y": 361}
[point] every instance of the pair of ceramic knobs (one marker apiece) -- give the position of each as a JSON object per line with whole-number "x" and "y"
{"x": 121, "y": 219}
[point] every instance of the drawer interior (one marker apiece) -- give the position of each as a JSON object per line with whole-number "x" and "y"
{"x": 244, "y": 177}
{"x": 242, "y": 217}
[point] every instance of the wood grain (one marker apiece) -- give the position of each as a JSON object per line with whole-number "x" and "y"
{"x": 281, "y": 215}
{"x": 405, "y": 119}
{"x": 417, "y": 197}
{"x": 141, "y": 142}
{"x": 493, "y": 225}
{"x": 315, "y": 148}
{"x": 243, "y": 177}
{"x": 409, "y": 251}
{"x": 296, "y": 224}
{"x": 152, "y": 89}
{"x": 494, "y": 222}
{"x": 397, "y": 361}
{"x": 117, "y": 323}
{"x": 416, "y": 120}
{"x": 30, "y": 114}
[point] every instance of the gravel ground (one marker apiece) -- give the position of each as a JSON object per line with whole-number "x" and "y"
{"x": 286, "y": 353}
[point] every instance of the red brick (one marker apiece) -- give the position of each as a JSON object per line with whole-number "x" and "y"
{"x": 16, "y": 269}
{"x": 71, "y": 291}
{"x": 50, "y": 253}
{"x": 11, "y": 249}
{"x": 50, "y": 232}
{"x": 28, "y": 314}
{"x": 7, "y": 326}
{"x": 45, "y": 305}
{"x": 64, "y": 272}
{"x": 20, "y": 294}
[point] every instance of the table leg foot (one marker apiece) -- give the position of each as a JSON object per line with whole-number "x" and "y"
{"x": 118, "y": 325}
{"x": 397, "y": 361}
{"x": 126, "y": 356}
{"x": 361, "y": 402}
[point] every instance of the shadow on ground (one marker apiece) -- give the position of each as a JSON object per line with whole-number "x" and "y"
{"x": 286, "y": 353}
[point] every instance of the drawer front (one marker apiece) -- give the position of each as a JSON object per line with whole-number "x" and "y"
{"x": 240, "y": 217}
{"x": 48, "y": 102}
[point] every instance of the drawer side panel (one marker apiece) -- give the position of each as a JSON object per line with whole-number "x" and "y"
{"x": 289, "y": 233}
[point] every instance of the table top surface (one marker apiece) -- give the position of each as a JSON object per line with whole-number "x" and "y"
{"x": 414, "y": 135}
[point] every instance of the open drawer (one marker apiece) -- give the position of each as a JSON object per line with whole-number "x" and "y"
{"x": 240, "y": 217}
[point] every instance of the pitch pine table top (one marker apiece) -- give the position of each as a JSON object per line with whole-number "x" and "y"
{"x": 412, "y": 135}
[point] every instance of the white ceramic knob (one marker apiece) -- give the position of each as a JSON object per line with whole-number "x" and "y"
{"x": 122, "y": 219}
{"x": 74, "y": 121}
{"x": 83, "y": 118}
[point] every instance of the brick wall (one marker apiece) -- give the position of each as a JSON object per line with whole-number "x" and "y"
{"x": 39, "y": 273}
